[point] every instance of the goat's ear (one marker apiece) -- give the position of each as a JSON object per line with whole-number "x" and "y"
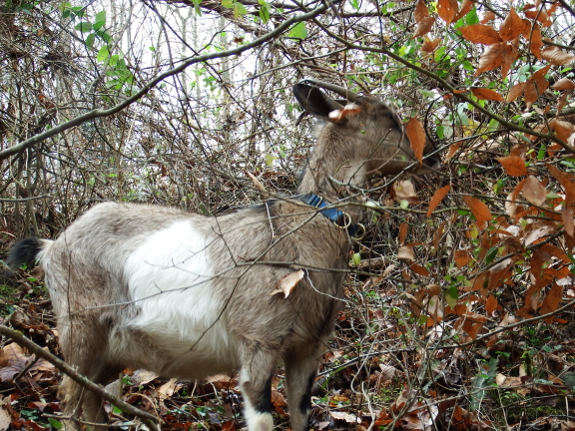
{"x": 315, "y": 101}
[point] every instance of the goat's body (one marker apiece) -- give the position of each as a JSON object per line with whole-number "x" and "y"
{"x": 177, "y": 293}
{"x": 188, "y": 296}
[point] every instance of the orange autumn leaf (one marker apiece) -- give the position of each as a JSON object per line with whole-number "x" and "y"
{"x": 563, "y": 129}
{"x": 447, "y": 9}
{"x": 421, "y": 11}
{"x": 480, "y": 33}
{"x": 491, "y": 304}
{"x": 430, "y": 45}
{"x": 564, "y": 84}
{"x": 556, "y": 56}
{"x": 499, "y": 54}
{"x": 479, "y": 210}
{"x": 487, "y": 94}
{"x": 402, "y": 233}
{"x": 420, "y": 270}
{"x": 541, "y": 16}
{"x": 437, "y": 198}
{"x": 552, "y": 301}
{"x": 466, "y": 6}
{"x": 424, "y": 26}
{"x": 535, "y": 38}
{"x": 489, "y": 16}
{"x": 512, "y": 27}
{"x": 462, "y": 258}
{"x": 453, "y": 148}
{"x": 416, "y": 135}
{"x": 516, "y": 91}
{"x": 513, "y": 165}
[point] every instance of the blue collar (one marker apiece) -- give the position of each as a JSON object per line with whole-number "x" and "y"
{"x": 339, "y": 218}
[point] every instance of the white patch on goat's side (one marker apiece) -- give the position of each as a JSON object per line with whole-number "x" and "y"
{"x": 170, "y": 278}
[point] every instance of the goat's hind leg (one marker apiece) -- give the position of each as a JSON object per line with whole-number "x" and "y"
{"x": 258, "y": 368}
{"x": 301, "y": 370}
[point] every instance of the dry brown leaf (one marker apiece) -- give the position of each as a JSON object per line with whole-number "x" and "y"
{"x": 405, "y": 190}
{"x": 420, "y": 270}
{"x": 480, "y": 33}
{"x": 534, "y": 35}
{"x": 541, "y": 16}
{"x": 437, "y": 198}
{"x": 563, "y": 129}
{"x": 447, "y": 9}
{"x": 405, "y": 252}
{"x": 402, "y": 232}
{"x": 421, "y": 11}
{"x": 462, "y": 258}
{"x": 416, "y": 135}
{"x": 508, "y": 57}
{"x": 556, "y": 57}
{"x": 552, "y": 301}
{"x": 430, "y": 45}
{"x": 480, "y": 211}
{"x": 531, "y": 94}
{"x": 453, "y": 148}
{"x": 566, "y": 181}
{"x": 286, "y": 284}
{"x": 567, "y": 217}
{"x": 516, "y": 91}
{"x": 512, "y": 27}
{"x": 534, "y": 191}
{"x": 487, "y": 94}
{"x": 488, "y": 16}
{"x": 466, "y": 6}
{"x": 513, "y": 165}
{"x": 343, "y": 416}
{"x": 424, "y": 26}
{"x": 564, "y": 84}
{"x": 491, "y": 304}
{"x": 492, "y": 58}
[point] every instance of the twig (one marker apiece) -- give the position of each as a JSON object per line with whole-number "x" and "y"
{"x": 147, "y": 418}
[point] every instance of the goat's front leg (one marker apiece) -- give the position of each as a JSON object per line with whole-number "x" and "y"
{"x": 258, "y": 367}
{"x": 301, "y": 370}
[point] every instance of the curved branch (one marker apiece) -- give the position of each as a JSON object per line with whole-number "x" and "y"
{"x": 147, "y": 418}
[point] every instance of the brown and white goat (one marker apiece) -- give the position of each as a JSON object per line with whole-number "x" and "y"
{"x": 139, "y": 286}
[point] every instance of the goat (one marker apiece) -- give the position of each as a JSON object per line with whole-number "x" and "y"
{"x": 189, "y": 296}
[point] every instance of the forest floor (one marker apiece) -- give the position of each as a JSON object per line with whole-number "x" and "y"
{"x": 376, "y": 374}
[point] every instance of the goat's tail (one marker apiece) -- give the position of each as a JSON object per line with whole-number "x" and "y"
{"x": 28, "y": 251}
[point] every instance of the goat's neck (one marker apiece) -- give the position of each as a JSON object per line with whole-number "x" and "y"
{"x": 333, "y": 184}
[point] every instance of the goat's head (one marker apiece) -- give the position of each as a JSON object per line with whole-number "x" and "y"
{"x": 359, "y": 140}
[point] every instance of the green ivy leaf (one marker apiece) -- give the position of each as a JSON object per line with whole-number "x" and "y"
{"x": 298, "y": 31}
{"x": 55, "y": 424}
{"x": 103, "y": 54}
{"x": 90, "y": 40}
{"x": 264, "y": 11}
{"x": 84, "y": 27}
{"x": 101, "y": 16}
{"x": 228, "y": 3}
{"x": 239, "y": 10}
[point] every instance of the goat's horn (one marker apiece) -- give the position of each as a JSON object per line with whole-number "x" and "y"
{"x": 348, "y": 94}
